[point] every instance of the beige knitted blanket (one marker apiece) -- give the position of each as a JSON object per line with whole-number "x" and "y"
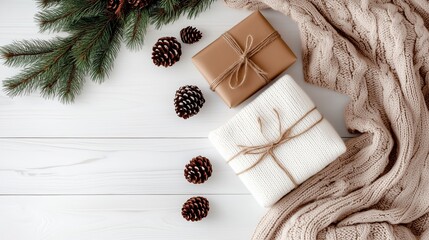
{"x": 376, "y": 52}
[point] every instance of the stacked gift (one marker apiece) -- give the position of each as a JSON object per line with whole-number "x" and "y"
{"x": 244, "y": 59}
{"x": 277, "y": 141}
{"x": 280, "y": 139}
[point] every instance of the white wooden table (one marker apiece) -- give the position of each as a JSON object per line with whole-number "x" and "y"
{"x": 110, "y": 166}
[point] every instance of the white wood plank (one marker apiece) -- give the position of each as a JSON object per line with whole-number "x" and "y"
{"x": 136, "y": 101}
{"x": 109, "y": 166}
{"x": 105, "y": 166}
{"x": 124, "y": 218}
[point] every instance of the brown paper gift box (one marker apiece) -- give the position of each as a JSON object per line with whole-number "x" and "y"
{"x": 273, "y": 59}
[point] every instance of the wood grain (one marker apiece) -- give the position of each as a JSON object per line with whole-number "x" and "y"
{"x": 124, "y": 218}
{"x": 109, "y": 166}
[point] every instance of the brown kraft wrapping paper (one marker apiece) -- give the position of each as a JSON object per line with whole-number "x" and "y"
{"x": 272, "y": 59}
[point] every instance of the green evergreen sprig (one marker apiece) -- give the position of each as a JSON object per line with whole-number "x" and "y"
{"x": 58, "y": 67}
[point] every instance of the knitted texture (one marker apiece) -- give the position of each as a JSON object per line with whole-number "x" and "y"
{"x": 303, "y": 156}
{"x": 376, "y": 52}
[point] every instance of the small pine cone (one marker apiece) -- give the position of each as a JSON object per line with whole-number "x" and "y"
{"x": 112, "y": 5}
{"x": 198, "y": 170}
{"x": 195, "y": 209}
{"x": 139, "y": 4}
{"x": 188, "y": 101}
{"x": 190, "y": 35}
{"x": 166, "y": 51}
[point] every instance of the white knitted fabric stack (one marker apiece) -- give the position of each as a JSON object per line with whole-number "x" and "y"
{"x": 302, "y": 156}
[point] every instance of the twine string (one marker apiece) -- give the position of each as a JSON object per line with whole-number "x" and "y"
{"x": 267, "y": 149}
{"x": 244, "y": 61}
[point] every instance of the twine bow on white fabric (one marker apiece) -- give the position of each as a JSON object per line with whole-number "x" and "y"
{"x": 267, "y": 149}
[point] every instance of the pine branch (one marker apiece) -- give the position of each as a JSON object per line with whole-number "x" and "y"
{"x": 50, "y": 81}
{"x": 24, "y": 53}
{"x": 169, "y": 5}
{"x": 48, "y": 86}
{"x": 94, "y": 30}
{"x": 27, "y": 80}
{"x": 136, "y": 25}
{"x": 45, "y": 72}
{"x": 165, "y": 12}
{"x": 106, "y": 50}
{"x": 168, "y": 11}
{"x": 57, "y": 67}
{"x": 195, "y": 7}
{"x": 47, "y": 3}
{"x": 70, "y": 84}
{"x": 67, "y": 12}
{"x": 23, "y": 83}
{"x": 64, "y": 81}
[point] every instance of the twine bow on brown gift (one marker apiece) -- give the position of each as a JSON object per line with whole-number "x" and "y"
{"x": 267, "y": 149}
{"x": 243, "y": 61}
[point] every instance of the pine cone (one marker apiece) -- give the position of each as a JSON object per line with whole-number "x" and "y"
{"x": 190, "y": 35}
{"x": 195, "y": 209}
{"x": 198, "y": 170}
{"x": 140, "y": 4}
{"x": 188, "y": 101}
{"x": 112, "y": 5}
{"x": 166, "y": 52}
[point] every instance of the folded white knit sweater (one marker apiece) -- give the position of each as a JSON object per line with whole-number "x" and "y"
{"x": 302, "y": 156}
